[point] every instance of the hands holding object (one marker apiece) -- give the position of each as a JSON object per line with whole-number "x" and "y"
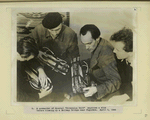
{"x": 43, "y": 83}
{"x": 58, "y": 65}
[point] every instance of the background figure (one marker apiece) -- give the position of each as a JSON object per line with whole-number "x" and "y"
{"x": 27, "y": 52}
{"x": 123, "y": 48}
{"x": 103, "y": 69}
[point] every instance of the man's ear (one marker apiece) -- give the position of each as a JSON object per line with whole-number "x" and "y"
{"x": 97, "y": 39}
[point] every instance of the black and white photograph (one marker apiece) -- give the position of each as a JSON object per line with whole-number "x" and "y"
{"x": 75, "y": 55}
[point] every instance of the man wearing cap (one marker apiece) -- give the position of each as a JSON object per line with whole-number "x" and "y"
{"x": 62, "y": 41}
{"x": 58, "y": 37}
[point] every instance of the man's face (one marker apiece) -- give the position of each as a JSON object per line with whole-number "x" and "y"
{"x": 23, "y": 58}
{"x": 88, "y": 41}
{"x": 55, "y": 31}
{"x": 118, "y": 49}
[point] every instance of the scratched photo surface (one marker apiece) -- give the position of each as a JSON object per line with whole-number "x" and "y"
{"x": 55, "y": 62}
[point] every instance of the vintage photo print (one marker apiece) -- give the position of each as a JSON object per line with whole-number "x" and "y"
{"x": 74, "y": 55}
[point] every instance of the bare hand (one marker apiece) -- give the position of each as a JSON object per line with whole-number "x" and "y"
{"x": 89, "y": 91}
{"x": 45, "y": 92}
{"x": 43, "y": 78}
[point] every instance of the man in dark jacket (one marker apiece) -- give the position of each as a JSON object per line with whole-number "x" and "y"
{"x": 103, "y": 69}
{"x": 59, "y": 38}
{"x": 62, "y": 41}
{"x": 122, "y": 42}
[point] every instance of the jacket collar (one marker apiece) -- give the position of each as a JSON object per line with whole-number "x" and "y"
{"x": 96, "y": 53}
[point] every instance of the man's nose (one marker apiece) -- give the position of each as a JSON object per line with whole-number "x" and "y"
{"x": 87, "y": 47}
{"x": 114, "y": 50}
{"x": 55, "y": 32}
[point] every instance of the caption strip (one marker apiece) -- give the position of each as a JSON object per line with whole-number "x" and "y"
{"x": 41, "y": 110}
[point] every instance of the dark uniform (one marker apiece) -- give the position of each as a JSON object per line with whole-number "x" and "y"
{"x": 64, "y": 46}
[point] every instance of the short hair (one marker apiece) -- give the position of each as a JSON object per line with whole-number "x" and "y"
{"x": 27, "y": 46}
{"x": 126, "y": 36}
{"x": 95, "y": 32}
{"x": 52, "y": 20}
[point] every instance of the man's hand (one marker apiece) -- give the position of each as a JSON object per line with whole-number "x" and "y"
{"x": 89, "y": 91}
{"x": 118, "y": 99}
{"x": 42, "y": 78}
{"x": 45, "y": 92}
